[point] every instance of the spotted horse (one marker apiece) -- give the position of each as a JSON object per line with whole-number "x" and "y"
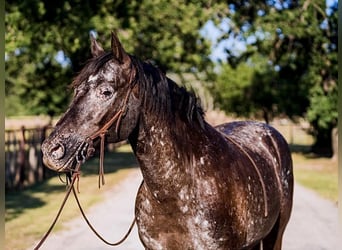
{"x": 204, "y": 187}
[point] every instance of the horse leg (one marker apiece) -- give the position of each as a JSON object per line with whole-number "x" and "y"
{"x": 273, "y": 241}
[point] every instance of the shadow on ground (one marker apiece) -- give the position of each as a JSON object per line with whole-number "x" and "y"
{"x": 16, "y": 202}
{"x": 308, "y": 152}
{"x": 298, "y": 148}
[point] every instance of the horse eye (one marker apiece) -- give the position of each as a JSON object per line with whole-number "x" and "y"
{"x": 107, "y": 93}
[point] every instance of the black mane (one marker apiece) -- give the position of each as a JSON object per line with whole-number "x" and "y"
{"x": 164, "y": 97}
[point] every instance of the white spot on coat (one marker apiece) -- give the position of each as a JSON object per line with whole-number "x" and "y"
{"x": 93, "y": 78}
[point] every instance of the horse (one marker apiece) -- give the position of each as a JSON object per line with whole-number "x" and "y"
{"x": 204, "y": 187}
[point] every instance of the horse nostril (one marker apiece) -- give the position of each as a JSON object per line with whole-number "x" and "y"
{"x": 58, "y": 151}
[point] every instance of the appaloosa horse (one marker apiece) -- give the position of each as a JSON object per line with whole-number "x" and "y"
{"x": 228, "y": 187}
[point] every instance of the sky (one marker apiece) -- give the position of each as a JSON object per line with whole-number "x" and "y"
{"x": 213, "y": 33}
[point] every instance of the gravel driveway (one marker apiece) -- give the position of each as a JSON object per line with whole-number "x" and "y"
{"x": 313, "y": 225}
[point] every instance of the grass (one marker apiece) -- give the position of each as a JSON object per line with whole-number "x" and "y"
{"x": 317, "y": 173}
{"x": 30, "y": 213}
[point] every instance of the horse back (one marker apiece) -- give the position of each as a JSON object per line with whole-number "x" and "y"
{"x": 266, "y": 147}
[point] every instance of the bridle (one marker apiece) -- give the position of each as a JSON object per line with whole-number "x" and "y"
{"x": 74, "y": 174}
{"x": 104, "y": 130}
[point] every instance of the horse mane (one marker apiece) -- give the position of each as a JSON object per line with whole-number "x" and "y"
{"x": 164, "y": 97}
{"x": 160, "y": 94}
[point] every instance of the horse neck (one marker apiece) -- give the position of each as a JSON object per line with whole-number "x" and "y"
{"x": 165, "y": 151}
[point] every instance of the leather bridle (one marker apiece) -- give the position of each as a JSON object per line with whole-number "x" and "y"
{"x": 104, "y": 130}
{"x": 74, "y": 174}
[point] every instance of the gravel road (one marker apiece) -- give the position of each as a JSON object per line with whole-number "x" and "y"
{"x": 313, "y": 225}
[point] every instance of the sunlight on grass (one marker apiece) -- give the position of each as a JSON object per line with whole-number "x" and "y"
{"x": 323, "y": 183}
{"x": 318, "y": 174}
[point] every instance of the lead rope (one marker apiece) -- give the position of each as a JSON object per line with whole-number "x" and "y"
{"x": 101, "y": 168}
{"x": 71, "y": 187}
{"x": 93, "y": 229}
{"x": 104, "y": 130}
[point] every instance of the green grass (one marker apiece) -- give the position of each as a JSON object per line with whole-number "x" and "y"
{"x": 323, "y": 183}
{"x": 318, "y": 174}
{"x": 30, "y": 213}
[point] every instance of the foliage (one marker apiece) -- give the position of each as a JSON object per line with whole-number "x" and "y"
{"x": 296, "y": 41}
{"x": 289, "y": 65}
{"x": 35, "y": 32}
{"x": 39, "y": 30}
{"x": 238, "y": 88}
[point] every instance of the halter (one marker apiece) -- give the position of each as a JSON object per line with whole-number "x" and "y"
{"x": 74, "y": 174}
{"x": 104, "y": 130}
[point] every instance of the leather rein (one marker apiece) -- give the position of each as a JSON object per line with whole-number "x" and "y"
{"x": 74, "y": 175}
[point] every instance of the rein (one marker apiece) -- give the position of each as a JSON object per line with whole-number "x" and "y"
{"x": 94, "y": 230}
{"x": 76, "y": 172}
{"x": 71, "y": 186}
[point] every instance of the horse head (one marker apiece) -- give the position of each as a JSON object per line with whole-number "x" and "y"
{"x": 105, "y": 102}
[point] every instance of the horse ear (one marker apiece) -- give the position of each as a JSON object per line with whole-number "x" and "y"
{"x": 96, "y": 48}
{"x": 118, "y": 51}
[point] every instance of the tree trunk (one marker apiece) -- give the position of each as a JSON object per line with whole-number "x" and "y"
{"x": 334, "y": 143}
{"x": 323, "y": 143}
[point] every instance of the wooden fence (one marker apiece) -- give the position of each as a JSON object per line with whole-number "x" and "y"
{"x": 23, "y": 157}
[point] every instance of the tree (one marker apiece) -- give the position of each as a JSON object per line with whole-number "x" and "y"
{"x": 297, "y": 43}
{"x": 238, "y": 89}
{"x": 37, "y": 31}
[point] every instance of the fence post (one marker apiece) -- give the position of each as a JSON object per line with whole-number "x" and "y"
{"x": 20, "y": 173}
{"x": 42, "y": 138}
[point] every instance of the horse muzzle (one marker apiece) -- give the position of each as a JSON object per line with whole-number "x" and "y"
{"x": 63, "y": 156}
